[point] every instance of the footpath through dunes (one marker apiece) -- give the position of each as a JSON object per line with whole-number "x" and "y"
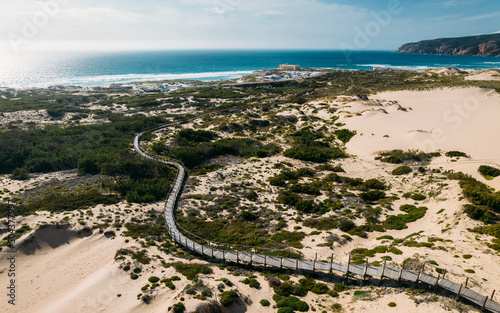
{"x": 267, "y": 260}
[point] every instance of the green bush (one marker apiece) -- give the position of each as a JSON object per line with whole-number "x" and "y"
{"x": 372, "y": 195}
{"x": 400, "y": 156}
{"x": 178, "y": 308}
{"x": 320, "y": 288}
{"x": 227, "y": 298}
{"x": 191, "y": 270}
{"x": 306, "y": 206}
{"x": 265, "y": 302}
{"x": 344, "y": 135}
{"x": 392, "y": 304}
{"x": 488, "y": 171}
{"x": 492, "y": 230}
{"x": 248, "y": 216}
{"x": 399, "y": 221}
{"x": 20, "y": 174}
{"x": 314, "y": 154}
{"x": 134, "y": 276}
{"x": 285, "y": 310}
{"x": 153, "y": 279}
{"x": 455, "y": 154}
{"x": 418, "y": 197}
{"x": 292, "y": 302}
{"x": 287, "y": 197}
{"x": 478, "y": 213}
{"x": 362, "y": 295}
{"x": 189, "y": 136}
{"x": 252, "y": 282}
{"x": 402, "y": 170}
{"x": 252, "y": 196}
{"x": 339, "y": 287}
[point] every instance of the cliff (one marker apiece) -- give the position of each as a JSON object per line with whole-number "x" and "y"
{"x": 484, "y": 45}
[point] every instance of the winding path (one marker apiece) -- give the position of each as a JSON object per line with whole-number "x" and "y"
{"x": 484, "y": 302}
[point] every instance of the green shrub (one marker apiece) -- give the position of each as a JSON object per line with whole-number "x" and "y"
{"x": 344, "y": 135}
{"x": 291, "y": 302}
{"x": 153, "y": 279}
{"x": 287, "y": 197}
{"x": 314, "y": 154}
{"x": 189, "y": 136}
{"x": 20, "y": 174}
{"x": 402, "y": 170}
{"x": 399, "y": 221}
{"x": 454, "y": 154}
{"x": 227, "y": 298}
{"x": 489, "y": 172}
{"x": 392, "y": 304}
{"x": 265, "y": 302}
{"x": 320, "y": 288}
{"x": 285, "y": 310}
{"x": 493, "y": 230}
{"x": 336, "y": 307}
{"x": 362, "y": 295}
{"x": 252, "y": 282}
{"x": 470, "y": 271}
{"x": 191, "y": 270}
{"x": 134, "y": 276}
{"x": 248, "y": 216}
{"x": 400, "y": 156}
{"x": 178, "y": 308}
{"x": 467, "y": 256}
{"x": 252, "y": 196}
{"x": 339, "y": 287}
{"x": 372, "y": 195}
{"x": 306, "y": 206}
{"x": 418, "y": 197}
{"x": 478, "y": 213}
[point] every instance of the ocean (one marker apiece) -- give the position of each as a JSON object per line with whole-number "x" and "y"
{"x": 94, "y": 69}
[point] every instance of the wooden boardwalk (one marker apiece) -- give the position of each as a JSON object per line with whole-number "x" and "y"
{"x": 209, "y": 251}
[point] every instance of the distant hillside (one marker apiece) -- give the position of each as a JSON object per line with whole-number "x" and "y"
{"x": 484, "y": 45}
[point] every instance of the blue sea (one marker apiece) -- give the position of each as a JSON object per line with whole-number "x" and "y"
{"x": 94, "y": 69}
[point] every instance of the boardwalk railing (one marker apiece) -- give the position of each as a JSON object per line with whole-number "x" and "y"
{"x": 209, "y": 251}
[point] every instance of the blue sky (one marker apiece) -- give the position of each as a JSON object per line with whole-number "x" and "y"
{"x": 238, "y": 24}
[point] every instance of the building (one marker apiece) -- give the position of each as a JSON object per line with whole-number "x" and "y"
{"x": 289, "y": 67}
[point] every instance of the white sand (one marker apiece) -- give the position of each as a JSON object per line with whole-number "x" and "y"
{"x": 80, "y": 274}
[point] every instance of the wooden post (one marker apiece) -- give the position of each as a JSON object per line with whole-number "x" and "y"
{"x": 365, "y": 270}
{"x": 331, "y": 264}
{"x": 224, "y": 256}
{"x": 281, "y": 263}
{"x": 210, "y": 245}
{"x": 436, "y": 284}
{"x": 314, "y": 263}
{"x": 401, "y": 273}
{"x": 484, "y": 303}
{"x": 296, "y": 264}
{"x": 466, "y": 282}
{"x": 383, "y": 270}
{"x": 492, "y": 294}
{"x": 187, "y": 247}
{"x": 459, "y": 290}
{"x": 347, "y": 273}
{"x": 265, "y": 261}
{"x": 418, "y": 277}
{"x": 251, "y": 258}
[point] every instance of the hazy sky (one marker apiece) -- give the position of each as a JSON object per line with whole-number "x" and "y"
{"x": 236, "y": 24}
